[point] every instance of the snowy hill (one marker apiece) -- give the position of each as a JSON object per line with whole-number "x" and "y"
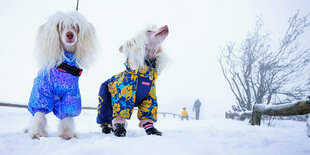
{"x": 210, "y": 136}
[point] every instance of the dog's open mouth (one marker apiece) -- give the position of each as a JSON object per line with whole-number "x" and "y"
{"x": 70, "y": 42}
{"x": 163, "y": 32}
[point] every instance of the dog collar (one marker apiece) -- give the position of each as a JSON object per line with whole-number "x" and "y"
{"x": 150, "y": 63}
{"x": 75, "y": 71}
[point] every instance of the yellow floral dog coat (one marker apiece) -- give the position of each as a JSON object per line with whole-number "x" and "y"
{"x": 132, "y": 88}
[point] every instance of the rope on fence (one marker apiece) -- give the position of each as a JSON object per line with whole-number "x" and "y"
{"x": 13, "y": 105}
{"x": 25, "y": 106}
{"x": 86, "y": 108}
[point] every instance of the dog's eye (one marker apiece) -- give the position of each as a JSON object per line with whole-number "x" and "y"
{"x": 77, "y": 28}
{"x": 61, "y": 27}
{"x": 149, "y": 31}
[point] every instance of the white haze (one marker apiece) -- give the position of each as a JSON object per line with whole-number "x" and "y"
{"x": 198, "y": 31}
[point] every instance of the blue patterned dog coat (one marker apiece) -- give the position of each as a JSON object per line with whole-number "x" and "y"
{"x": 57, "y": 91}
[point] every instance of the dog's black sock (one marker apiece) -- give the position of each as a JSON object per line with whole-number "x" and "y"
{"x": 119, "y": 130}
{"x": 106, "y": 128}
{"x": 150, "y": 130}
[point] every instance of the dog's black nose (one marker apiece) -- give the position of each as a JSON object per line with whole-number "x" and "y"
{"x": 69, "y": 35}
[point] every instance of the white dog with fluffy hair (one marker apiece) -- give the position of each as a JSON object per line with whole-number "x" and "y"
{"x": 65, "y": 42}
{"x": 134, "y": 87}
{"x": 146, "y": 45}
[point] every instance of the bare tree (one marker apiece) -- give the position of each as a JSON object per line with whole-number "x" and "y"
{"x": 258, "y": 74}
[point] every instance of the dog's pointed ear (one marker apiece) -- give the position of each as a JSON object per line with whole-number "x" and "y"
{"x": 121, "y": 49}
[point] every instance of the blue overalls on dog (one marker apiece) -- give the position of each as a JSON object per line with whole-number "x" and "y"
{"x": 120, "y": 94}
{"x": 57, "y": 91}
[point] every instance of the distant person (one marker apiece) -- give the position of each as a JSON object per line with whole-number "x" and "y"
{"x": 184, "y": 114}
{"x": 196, "y": 108}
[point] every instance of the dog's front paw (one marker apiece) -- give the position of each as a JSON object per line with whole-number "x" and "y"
{"x": 66, "y": 129}
{"x": 37, "y": 135}
{"x": 67, "y": 136}
{"x": 37, "y": 127}
{"x": 150, "y": 130}
{"x": 106, "y": 128}
{"x": 119, "y": 130}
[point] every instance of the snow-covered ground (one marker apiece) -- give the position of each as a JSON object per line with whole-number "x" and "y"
{"x": 210, "y": 136}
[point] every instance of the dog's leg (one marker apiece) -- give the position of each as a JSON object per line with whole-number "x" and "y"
{"x": 119, "y": 120}
{"x": 38, "y": 126}
{"x": 147, "y": 124}
{"x": 66, "y": 128}
{"x": 142, "y": 122}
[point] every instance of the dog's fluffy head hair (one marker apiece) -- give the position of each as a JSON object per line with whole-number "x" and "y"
{"x": 135, "y": 51}
{"x": 49, "y": 47}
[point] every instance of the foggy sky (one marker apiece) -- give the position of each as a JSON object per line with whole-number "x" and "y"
{"x": 198, "y": 30}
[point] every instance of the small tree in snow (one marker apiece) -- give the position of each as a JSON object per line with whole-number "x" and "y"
{"x": 257, "y": 74}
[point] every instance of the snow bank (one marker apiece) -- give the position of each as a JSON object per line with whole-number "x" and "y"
{"x": 211, "y": 136}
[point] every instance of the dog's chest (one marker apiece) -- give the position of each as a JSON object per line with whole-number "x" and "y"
{"x": 130, "y": 89}
{"x": 63, "y": 82}
{"x": 143, "y": 89}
